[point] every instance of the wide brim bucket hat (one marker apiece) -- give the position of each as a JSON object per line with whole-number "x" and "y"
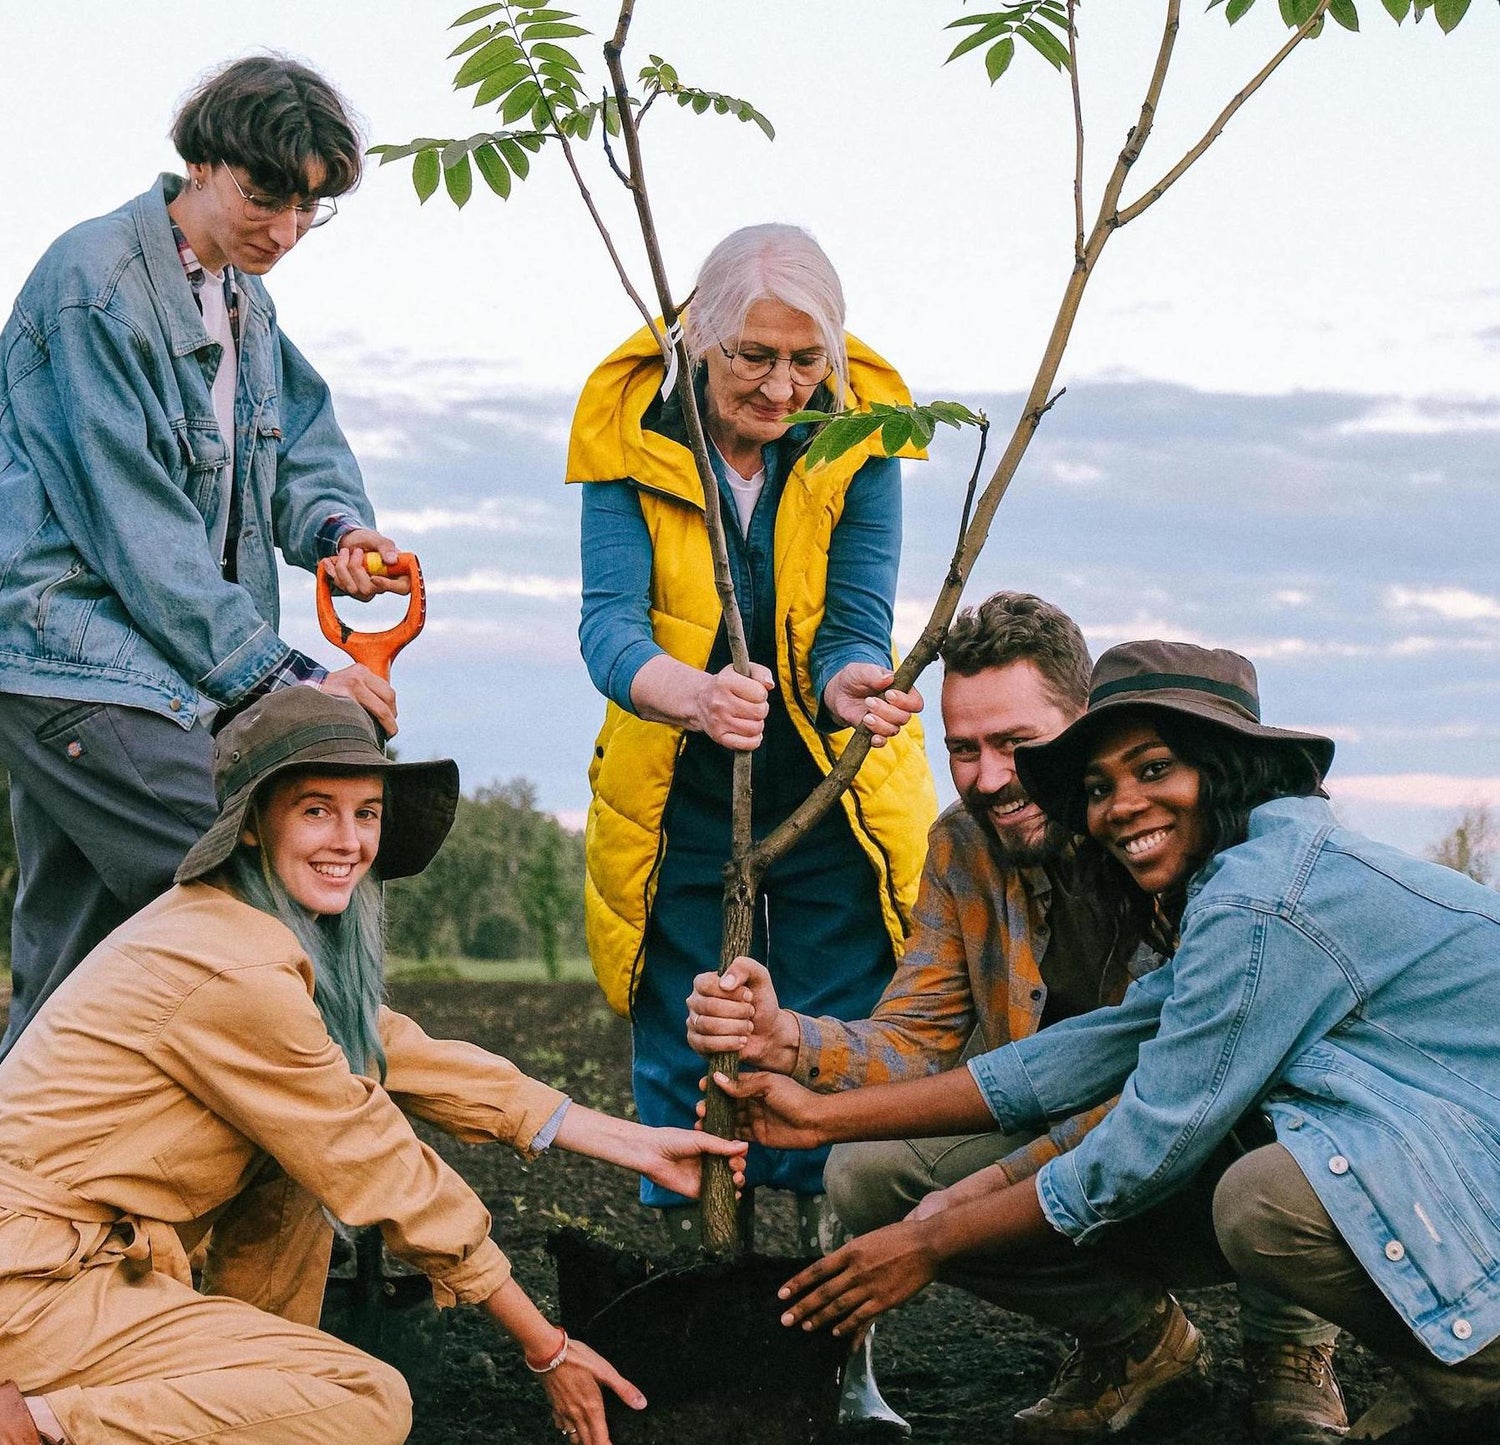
{"x": 303, "y": 727}
{"x": 1214, "y": 685}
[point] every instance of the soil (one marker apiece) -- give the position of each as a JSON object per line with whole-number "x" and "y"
{"x": 957, "y": 1368}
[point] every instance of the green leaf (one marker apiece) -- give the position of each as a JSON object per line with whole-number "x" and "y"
{"x": 1046, "y": 44}
{"x": 1344, "y": 12}
{"x": 895, "y": 433}
{"x": 530, "y": 13}
{"x": 699, "y": 101}
{"x": 763, "y": 123}
{"x": 453, "y": 152}
{"x": 1237, "y": 9}
{"x": 842, "y": 434}
{"x": 1297, "y": 13}
{"x": 515, "y": 156}
{"x": 979, "y": 37}
{"x": 551, "y": 30}
{"x": 460, "y": 181}
{"x": 1398, "y": 10}
{"x": 520, "y": 101}
{"x": 496, "y": 85}
{"x": 1449, "y": 13}
{"x": 922, "y": 426}
{"x": 953, "y": 413}
{"x": 424, "y": 174}
{"x": 399, "y": 153}
{"x": 490, "y": 57}
{"x": 479, "y": 13}
{"x": 494, "y": 170}
{"x": 556, "y": 54}
{"x": 477, "y": 38}
{"x": 531, "y": 140}
{"x": 999, "y": 58}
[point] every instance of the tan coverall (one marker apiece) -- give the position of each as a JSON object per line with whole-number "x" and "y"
{"x": 182, "y": 1079}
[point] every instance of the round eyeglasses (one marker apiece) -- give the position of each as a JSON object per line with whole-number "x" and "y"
{"x": 309, "y": 214}
{"x": 755, "y": 363}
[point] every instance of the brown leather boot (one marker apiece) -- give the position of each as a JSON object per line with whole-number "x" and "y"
{"x": 16, "y": 1425}
{"x": 1294, "y": 1395}
{"x": 1100, "y": 1389}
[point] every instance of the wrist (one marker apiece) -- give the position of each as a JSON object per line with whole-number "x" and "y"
{"x": 779, "y": 1046}
{"x": 550, "y": 1357}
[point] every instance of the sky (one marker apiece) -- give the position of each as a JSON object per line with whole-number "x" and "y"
{"x": 1282, "y": 415}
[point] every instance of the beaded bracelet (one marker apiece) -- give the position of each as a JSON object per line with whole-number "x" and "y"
{"x": 554, "y": 1361}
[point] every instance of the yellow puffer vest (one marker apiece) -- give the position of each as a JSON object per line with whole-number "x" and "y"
{"x": 892, "y": 802}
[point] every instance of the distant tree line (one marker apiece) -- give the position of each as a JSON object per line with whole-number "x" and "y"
{"x": 507, "y": 884}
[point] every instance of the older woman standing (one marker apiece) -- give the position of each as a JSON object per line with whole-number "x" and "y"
{"x": 814, "y": 555}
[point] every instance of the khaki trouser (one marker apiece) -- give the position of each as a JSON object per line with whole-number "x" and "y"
{"x": 1100, "y": 1294}
{"x": 1273, "y": 1229}
{"x": 122, "y": 1355}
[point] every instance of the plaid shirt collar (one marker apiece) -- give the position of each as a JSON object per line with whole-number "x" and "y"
{"x": 197, "y": 275}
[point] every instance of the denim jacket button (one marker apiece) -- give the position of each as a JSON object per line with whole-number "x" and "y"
{"x": 175, "y": 704}
{"x": 1395, "y": 1250}
{"x": 1462, "y": 1329}
{"x": 1338, "y": 1165}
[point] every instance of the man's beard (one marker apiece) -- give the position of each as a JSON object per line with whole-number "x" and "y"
{"x": 1030, "y": 852}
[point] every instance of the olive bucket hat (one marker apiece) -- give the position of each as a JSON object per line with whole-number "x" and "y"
{"x": 302, "y": 727}
{"x": 1212, "y": 684}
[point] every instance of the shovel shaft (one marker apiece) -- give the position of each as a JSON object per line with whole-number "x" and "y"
{"x": 376, "y": 650}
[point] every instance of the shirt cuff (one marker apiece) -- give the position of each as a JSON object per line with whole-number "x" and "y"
{"x": 472, "y": 1280}
{"x": 544, "y": 1136}
{"x": 626, "y": 665}
{"x": 334, "y": 529}
{"x": 1008, "y": 1090}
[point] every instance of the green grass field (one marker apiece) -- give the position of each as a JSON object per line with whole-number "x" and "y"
{"x": 510, "y": 970}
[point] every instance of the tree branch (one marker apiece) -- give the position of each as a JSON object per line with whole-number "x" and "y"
{"x": 1077, "y": 133}
{"x": 1156, "y": 192}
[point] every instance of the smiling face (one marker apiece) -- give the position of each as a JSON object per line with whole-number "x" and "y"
{"x": 222, "y": 227}
{"x": 743, "y": 416}
{"x": 1144, "y": 805}
{"x": 321, "y": 832}
{"x": 985, "y": 717}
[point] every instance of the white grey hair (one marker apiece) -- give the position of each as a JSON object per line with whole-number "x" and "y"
{"x": 770, "y": 262}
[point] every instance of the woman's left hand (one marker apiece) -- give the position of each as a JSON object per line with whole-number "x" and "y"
{"x": 861, "y": 692}
{"x": 675, "y": 1157}
{"x": 849, "y": 1288}
{"x": 349, "y": 573}
{"x": 576, "y": 1390}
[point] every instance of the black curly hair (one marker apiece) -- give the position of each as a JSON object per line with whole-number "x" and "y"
{"x": 1237, "y": 773}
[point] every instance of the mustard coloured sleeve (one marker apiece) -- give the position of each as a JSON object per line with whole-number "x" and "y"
{"x": 250, "y": 1045}
{"x": 474, "y": 1095}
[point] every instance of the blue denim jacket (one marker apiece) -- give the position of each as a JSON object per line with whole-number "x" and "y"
{"x": 110, "y": 460}
{"x": 1349, "y": 990}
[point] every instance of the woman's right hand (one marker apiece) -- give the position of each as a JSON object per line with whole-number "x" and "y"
{"x": 732, "y": 708}
{"x": 576, "y": 1391}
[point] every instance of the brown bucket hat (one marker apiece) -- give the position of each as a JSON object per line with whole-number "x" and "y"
{"x": 300, "y": 727}
{"x": 1210, "y": 683}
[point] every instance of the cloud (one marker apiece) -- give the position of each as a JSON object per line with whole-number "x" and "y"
{"x": 1417, "y": 790}
{"x": 495, "y": 583}
{"x": 1456, "y": 604}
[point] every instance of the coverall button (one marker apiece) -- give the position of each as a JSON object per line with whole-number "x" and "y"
{"x": 1338, "y": 1165}
{"x": 1395, "y": 1250}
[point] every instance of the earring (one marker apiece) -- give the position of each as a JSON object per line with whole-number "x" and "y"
{"x": 197, "y": 185}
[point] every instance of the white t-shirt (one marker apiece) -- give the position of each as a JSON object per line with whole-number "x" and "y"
{"x": 216, "y": 323}
{"x": 745, "y": 490}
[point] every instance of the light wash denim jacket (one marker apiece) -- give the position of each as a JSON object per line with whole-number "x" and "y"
{"x": 1353, "y": 993}
{"x": 110, "y": 461}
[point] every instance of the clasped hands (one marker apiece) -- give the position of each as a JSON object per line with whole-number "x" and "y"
{"x": 737, "y": 1012}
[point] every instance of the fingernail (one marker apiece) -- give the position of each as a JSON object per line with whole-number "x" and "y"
{"x": 783, "y": 1294}
{"x": 789, "y": 1318}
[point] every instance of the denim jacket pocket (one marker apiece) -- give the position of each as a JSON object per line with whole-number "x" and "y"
{"x": 204, "y": 457}
{"x": 66, "y": 609}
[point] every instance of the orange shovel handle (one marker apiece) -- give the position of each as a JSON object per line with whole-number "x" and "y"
{"x": 376, "y": 650}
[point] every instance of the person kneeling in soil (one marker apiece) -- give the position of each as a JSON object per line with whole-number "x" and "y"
{"x": 1332, "y": 992}
{"x": 222, "y": 1062}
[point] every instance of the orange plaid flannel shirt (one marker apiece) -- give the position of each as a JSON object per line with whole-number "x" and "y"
{"x": 971, "y": 971}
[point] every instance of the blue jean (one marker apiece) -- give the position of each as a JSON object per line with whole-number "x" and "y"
{"x": 818, "y": 929}
{"x": 105, "y": 802}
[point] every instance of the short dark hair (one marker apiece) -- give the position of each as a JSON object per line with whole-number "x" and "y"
{"x": 1019, "y": 627}
{"x": 1237, "y": 773}
{"x": 274, "y": 117}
